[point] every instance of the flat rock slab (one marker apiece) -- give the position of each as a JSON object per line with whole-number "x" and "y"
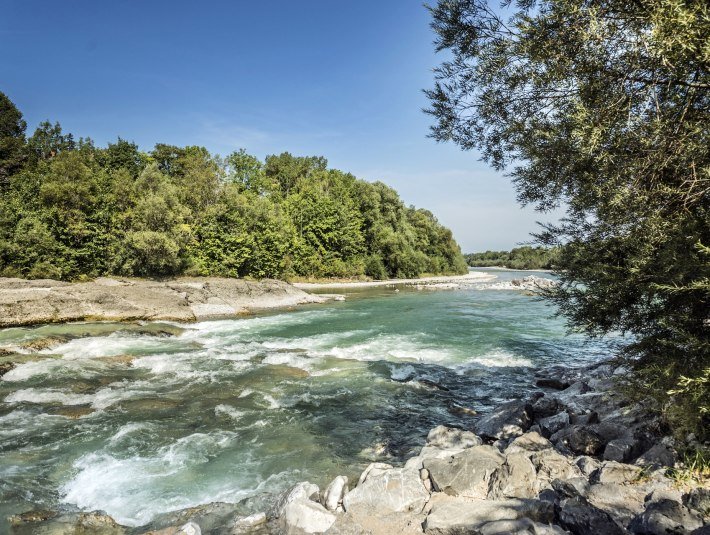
{"x": 455, "y": 516}
{"x": 24, "y": 302}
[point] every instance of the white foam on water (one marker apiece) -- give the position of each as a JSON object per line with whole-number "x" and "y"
{"x": 497, "y": 358}
{"x": 47, "y": 396}
{"x": 54, "y": 368}
{"x": 228, "y": 410}
{"x": 134, "y": 489}
{"x": 19, "y": 422}
{"x": 392, "y": 347}
{"x": 108, "y": 346}
{"x": 294, "y": 360}
{"x": 128, "y": 430}
{"x": 402, "y": 373}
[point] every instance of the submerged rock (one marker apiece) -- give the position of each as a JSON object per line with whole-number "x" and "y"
{"x": 450, "y": 438}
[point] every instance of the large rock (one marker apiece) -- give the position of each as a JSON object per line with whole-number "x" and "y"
{"x": 305, "y": 516}
{"x": 553, "y": 424}
{"x": 508, "y": 420}
{"x": 579, "y": 517}
{"x": 303, "y": 490}
{"x": 579, "y": 439}
{"x": 395, "y": 490}
{"x": 551, "y": 465}
{"x": 663, "y": 517}
{"x": 458, "y": 516}
{"x": 529, "y": 442}
{"x": 622, "y": 502}
{"x": 517, "y": 478}
{"x": 467, "y": 473}
{"x": 698, "y": 499}
{"x": 658, "y": 456}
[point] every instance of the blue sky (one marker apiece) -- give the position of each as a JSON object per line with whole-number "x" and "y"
{"x": 341, "y": 79}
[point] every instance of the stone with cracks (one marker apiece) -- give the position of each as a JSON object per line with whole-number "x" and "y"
{"x": 467, "y": 473}
{"x": 305, "y": 516}
{"x": 396, "y": 490}
{"x": 508, "y": 420}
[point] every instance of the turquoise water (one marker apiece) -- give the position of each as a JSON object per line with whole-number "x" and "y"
{"x": 135, "y": 424}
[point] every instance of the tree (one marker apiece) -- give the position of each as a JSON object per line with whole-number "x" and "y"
{"x": 12, "y": 139}
{"x": 603, "y": 107}
{"x": 48, "y": 141}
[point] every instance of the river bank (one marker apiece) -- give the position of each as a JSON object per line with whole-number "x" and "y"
{"x": 573, "y": 457}
{"x": 472, "y": 277}
{"x": 31, "y": 302}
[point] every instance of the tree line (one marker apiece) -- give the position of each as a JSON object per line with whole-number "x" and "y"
{"x": 525, "y": 257}
{"x": 71, "y": 210}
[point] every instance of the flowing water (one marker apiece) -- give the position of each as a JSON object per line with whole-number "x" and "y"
{"x": 135, "y": 423}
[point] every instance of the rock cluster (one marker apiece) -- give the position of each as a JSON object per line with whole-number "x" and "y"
{"x": 575, "y": 458}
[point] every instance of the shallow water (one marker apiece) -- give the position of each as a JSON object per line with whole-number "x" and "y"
{"x": 137, "y": 424}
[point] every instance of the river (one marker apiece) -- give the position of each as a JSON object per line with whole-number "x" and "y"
{"x": 135, "y": 424}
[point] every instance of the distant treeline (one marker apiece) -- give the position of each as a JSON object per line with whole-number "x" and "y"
{"x": 525, "y": 257}
{"x": 70, "y": 209}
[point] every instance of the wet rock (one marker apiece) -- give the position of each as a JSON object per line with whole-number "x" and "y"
{"x": 333, "y": 494}
{"x": 663, "y": 517}
{"x": 450, "y": 438}
{"x": 467, "y": 473}
{"x": 460, "y": 410}
{"x": 6, "y": 367}
{"x": 456, "y": 516}
{"x": 395, "y": 490}
{"x": 304, "y": 490}
{"x": 40, "y": 344}
{"x": 579, "y": 517}
{"x": 305, "y": 516}
{"x": 613, "y": 472}
{"x": 38, "y": 515}
{"x": 508, "y": 420}
{"x": 553, "y": 383}
{"x": 373, "y": 469}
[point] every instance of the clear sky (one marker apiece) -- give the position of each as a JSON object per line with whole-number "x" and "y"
{"x": 342, "y": 79}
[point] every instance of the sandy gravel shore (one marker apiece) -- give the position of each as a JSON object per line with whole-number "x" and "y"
{"x": 472, "y": 277}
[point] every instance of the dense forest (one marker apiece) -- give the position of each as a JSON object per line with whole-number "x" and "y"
{"x": 525, "y": 257}
{"x": 71, "y": 210}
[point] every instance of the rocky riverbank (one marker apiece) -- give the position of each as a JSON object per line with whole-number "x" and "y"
{"x": 29, "y": 302}
{"x": 576, "y": 457}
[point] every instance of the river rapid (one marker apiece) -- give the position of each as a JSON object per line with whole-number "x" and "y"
{"x": 137, "y": 423}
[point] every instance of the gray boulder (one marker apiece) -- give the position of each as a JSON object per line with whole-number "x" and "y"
{"x": 467, "y": 473}
{"x": 658, "y": 456}
{"x": 373, "y": 469}
{"x": 552, "y": 424}
{"x": 517, "y": 478}
{"x": 508, "y": 420}
{"x": 529, "y": 442}
{"x": 395, "y": 490}
{"x": 663, "y": 517}
{"x": 578, "y": 516}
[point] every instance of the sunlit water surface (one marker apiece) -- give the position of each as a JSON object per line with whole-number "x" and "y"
{"x": 237, "y": 410}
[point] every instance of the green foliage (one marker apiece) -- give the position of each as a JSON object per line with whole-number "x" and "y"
{"x": 601, "y": 107}
{"x": 525, "y": 257}
{"x": 72, "y": 210}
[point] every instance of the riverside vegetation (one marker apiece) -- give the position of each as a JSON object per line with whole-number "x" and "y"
{"x": 71, "y": 210}
{"x": 525, "y": 257}
{"x": 601, "y": 108}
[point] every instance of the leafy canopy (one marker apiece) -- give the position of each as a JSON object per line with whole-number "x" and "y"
{"x": 601, "y": 107}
